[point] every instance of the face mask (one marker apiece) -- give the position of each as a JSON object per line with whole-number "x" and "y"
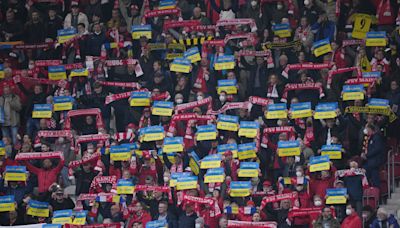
{"x": 253, "y": 3}
{"x": 348, "y": 211}
{"x": 31, "y": 66}
{"x": 179, "y": 101}
{"x": 299, "y": 174}
{"x": 306, "y": 2}
{"x": 197, "y": 225}
{"x": 166, "y": 179}
{"x": 299, "y": 189}
{"x": 279, "y": 122}
{"x": 317, "y": 203}
{"x": 199, "y": 98}
{"x": 365, "y": 131}
{"x": 222, "y": 98}
{"x": 279, "y": 6}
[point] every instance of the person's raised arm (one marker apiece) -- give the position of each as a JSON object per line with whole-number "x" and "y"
{"x": 33, "y": 169}
{"x": 60, "y": 164}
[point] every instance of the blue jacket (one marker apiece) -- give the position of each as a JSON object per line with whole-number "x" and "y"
{"x": 390, "y": 221}
{"x": 324, "y": 30}
{"x": 19, "y": 192}
{"x": 376, "y": 151}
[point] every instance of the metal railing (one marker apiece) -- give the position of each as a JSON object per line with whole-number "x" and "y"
{"x": 390, "y": 173}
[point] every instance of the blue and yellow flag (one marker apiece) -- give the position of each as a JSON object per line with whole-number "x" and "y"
{"x": 15, "y": 173}
{"x": 162, "y": 108}
{"x": 319, "y": 163}
{"x": 63, "y": 103}
{"x": 62, "y": 217}
{"x": 80, "y": 218}
{"x": 228, "y": 122}
{"x": 192, "y": 54}
{"x": 120, "y": 153}
{"x": 151, "y": 133}
{"x": 247, "y": 150}
{"x": 37, "y": 208}
{"x": 229, "y": 86}
{"x": 276, "y": 111}
{"x": 378, "y": 103}
{"x": 141, "y": 30}
{"x": 1, "y": 71}
{"x": 222, "y": 148}
{"x": 57, "y": 73}
{"x": 63, "y": 35}
{"x": 7, "y": 203}
{"x": 82, "y": 72}
{"x": 288, "y": 148}
{"x": 325, "y": 110}
{"x": 157, "y": 224}
{"x": 353, "y": 92}
{"x": 167, "y": 4}
{"x": 194, "y": 163}
{"x": 282, "y": 30}
{"x": 185, "y": 183}
{"x": 373, "y": 74}
{"x": 125, "y": 187}
{"x": 211, "y": 161}
{"x": 206, "y": 132}
{"x": 300, "y": 110}
{"x": 173, "y": 144}
{"x": 240, "y": 188}
{"x": 248, "y": 169}
{"x": 224, "y": 62}
{"x": 336, "y": 196}
{"x": 42, "y": 111}
{"x": 181, "y": 65}
{"x": 376, "y": 39}
{"x": 248, "y": 129}
{"x": 174, "y": 177}
{"x": 215, "y": 175}
{"x": 140, "y": 99}
{"x": 333, "y": 151}
{"x": 322, "y": 47}
{"x": 2, "y": 148}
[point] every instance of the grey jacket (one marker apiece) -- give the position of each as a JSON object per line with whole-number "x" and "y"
{"x": 12, "y": 106}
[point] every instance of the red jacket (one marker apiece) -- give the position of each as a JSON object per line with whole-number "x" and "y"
{"x": 318, "y": 186}
{"x": 305, "y": 202}
{"x": 45, "y": 177}
{"x": 352, "y": 221}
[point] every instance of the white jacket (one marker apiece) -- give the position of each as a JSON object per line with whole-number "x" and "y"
{"x": 82, "y": 18}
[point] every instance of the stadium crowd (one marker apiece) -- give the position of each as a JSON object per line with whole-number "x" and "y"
{"x": 198, "y": 113}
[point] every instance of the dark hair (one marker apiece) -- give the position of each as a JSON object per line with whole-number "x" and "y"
{"x": 82, "y": 24}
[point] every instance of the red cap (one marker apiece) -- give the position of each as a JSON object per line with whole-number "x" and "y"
{"x": 228, "y": 153}
{"x": 250, "y": 203}
{"x": 286, "y": 190}
{"x": 267, "y": 183}
{"x": 146, "y": 155}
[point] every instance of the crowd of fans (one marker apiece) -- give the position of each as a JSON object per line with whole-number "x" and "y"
{"x": 191, "y": 113}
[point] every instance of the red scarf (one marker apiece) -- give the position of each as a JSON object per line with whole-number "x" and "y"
{"x": 200, "y": 79}
{"x": 304, "y": 66}
{"x": 98, "y": 180}
{"x": 93, "y": 158}
{"x": 180, "y": 24}
{"x": 341, "y": 71}
{"x": 276, "y": 198}
{"x": 276, "y": 130}
{"x": 350, "y": 173}
{"x": 302, "y": 86}
{"x": 84, "y": 112}
{"x": 384, "y": 13}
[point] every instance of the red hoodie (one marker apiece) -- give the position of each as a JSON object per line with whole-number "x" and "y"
{"x": 45, "y": 177}
{"x": 352, "y": 221}
{"x": 318, "y": 186}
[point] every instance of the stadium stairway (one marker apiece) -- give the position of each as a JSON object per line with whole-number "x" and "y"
{"x": 392, "y": 205}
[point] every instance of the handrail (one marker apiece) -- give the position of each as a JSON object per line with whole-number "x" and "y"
{"x": 389, "y": 162}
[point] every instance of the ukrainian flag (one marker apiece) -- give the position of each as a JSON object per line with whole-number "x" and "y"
{"x": 322, "y": 47}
